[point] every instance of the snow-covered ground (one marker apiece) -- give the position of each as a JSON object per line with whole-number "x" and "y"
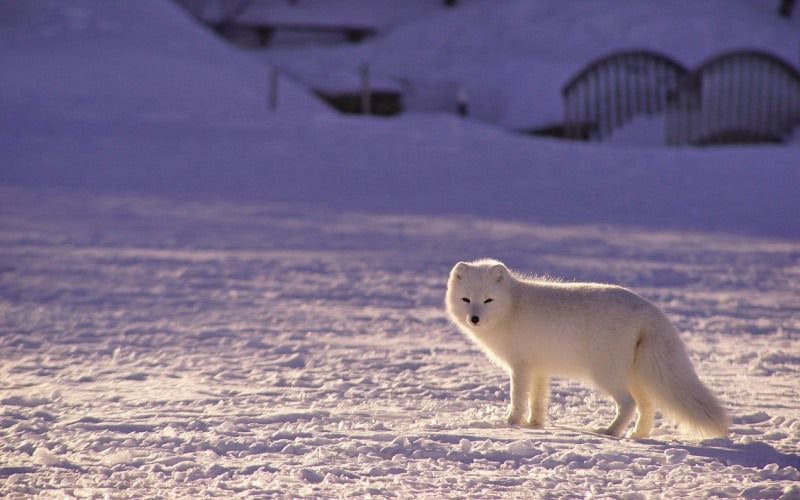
{"x": 202, "y": 298}
{"x": 199, "y": 349}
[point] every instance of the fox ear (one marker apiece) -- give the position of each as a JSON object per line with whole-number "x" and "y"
{"x": 499, "y": 272}
{"x": 458, "y": 270}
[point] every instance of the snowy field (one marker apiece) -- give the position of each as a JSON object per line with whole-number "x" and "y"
{"x": 192, "y": 349}
{"x": 202, "y": 298}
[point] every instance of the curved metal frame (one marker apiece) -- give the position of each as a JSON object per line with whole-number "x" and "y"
{"x": 740, "y": 96}
{"x": 608, "y": 92}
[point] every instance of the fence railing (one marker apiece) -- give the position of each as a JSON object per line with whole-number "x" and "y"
{"x": 740, "y": 96}
{"x": 736, "y": 97}
{"x": 610, "y": 91}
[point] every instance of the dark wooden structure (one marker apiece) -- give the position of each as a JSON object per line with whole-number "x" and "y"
{"x": 381, "y": 102}
{"x": 265, "y": 31}
{"x": 608, "y": 92}
{"x": 745, "y": 96}
{"x": 233, "y": 23}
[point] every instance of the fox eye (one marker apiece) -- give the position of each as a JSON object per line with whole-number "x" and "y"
{"x": 465, "y": 300}
{"x": 487, "y": 301}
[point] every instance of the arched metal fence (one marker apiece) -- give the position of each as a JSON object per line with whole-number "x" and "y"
{"x": 610, "y": 91}
{"x": 735, "y": 97}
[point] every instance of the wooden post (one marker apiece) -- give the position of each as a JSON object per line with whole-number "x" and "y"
{"x": 274, "y": 77}
{"x": 462, "y": 101}
{"x": 366, "y": 97}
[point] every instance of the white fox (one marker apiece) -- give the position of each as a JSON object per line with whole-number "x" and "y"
{"x": 607, "y": 334}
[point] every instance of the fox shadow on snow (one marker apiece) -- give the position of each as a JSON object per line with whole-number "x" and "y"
{"x": 756, "y": 454}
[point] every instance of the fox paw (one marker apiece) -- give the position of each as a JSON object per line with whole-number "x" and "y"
{"x": 606, "y": 431}
{"x": 535, "y": 424}
{"x": 513, "y": 418}
{"x": 634, "y": 434}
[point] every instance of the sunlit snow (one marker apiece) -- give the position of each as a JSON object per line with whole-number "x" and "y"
{"x": 201, "y": 297}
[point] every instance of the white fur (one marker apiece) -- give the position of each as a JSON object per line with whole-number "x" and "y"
{"x": 601, "y": 333}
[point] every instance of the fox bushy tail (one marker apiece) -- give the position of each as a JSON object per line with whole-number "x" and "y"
{"x": 665, "y": 372}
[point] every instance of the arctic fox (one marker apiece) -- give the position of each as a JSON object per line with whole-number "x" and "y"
{"x": 607, "y": 334}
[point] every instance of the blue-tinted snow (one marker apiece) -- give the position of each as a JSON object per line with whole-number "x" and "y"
{"x": 199, "y": 297}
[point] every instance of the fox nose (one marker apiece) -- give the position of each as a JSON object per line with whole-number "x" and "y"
{"x": 475, "y": 320}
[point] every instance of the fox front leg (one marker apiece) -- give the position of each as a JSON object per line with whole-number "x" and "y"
{"x": 520, "y": 387}
{"x": 539, "y": 398}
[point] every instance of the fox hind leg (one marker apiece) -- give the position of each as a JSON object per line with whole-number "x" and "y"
{"x": 625, "y": 410}
{"x": 644, "y": 414}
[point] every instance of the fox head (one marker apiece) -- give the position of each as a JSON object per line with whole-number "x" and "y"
{"x": 478, "y": 293}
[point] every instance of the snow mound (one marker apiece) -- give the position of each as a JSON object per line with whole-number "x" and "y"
{"x": 43, "y": 456}
{"x": 144, "y": 59}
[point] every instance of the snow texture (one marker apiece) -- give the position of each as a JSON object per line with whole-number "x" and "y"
{"x": 207, "y": 349}
{"x": 201, "y": 298}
